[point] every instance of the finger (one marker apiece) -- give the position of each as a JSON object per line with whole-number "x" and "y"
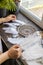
{"x": 19, "y": 53}
{"x": 13, "y": 16}
{"x": 16, "y": 46}
{"x": 19, "y": 49}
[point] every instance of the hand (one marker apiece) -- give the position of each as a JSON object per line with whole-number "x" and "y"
{"x": 14, "y": 52}
{"x": 10, "y": 17}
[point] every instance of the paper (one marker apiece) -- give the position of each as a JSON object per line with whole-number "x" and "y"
{"x": 12, "y": 24}
{"x": 33, "y": 63}
{"x": 16, "y": 40}
{"x": 19, "y": 21}
{"x": 33, "y": 49}
{"x": 10, "y": 30}
{"x": 34, "y": 52}
{"x": 26, "y": 42}
{"x": 15, "y": 23}
{"x": 31, "y": 45}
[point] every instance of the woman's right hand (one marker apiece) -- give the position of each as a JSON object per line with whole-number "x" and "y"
{"x": 14, "y": 52}
{"x": 9, "y": 18}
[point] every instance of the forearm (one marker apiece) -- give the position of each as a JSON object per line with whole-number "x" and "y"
{"x": 4, "y": 57}
{"x": 2, "y": 20}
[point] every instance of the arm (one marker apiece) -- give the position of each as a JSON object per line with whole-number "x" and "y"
{"x": 4, "y": 57}
{"x": 8, "y": 18}
{"x": 13, "y": 53}
{"x": 2, "y": 20}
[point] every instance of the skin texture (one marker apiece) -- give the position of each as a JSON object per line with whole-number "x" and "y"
{"x": 13, "y": 53}
{"x": 8, "y": 18}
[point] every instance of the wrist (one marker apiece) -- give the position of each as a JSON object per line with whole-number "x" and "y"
{"x": 3, "y": 20}
{"x": 7, "y": 55}
{"x": 3, "y": 57}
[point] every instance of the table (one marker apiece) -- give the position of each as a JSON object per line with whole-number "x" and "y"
{"x": 19, "y": 17}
